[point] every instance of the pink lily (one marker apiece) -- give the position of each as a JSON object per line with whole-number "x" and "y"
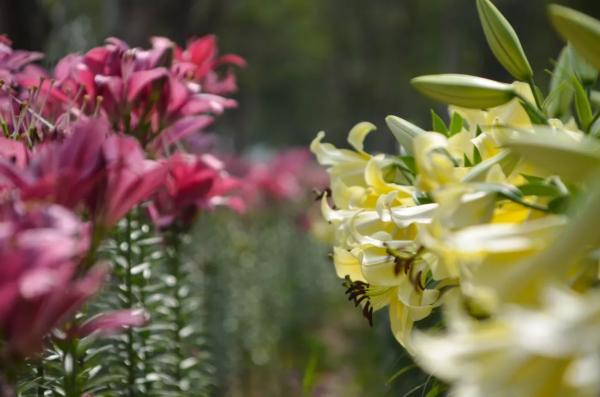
{"x": 61, "y": 173}
{"x": 194, "y": 182}
{"x": 130, "y": 179}
{"x": 37, "y": 285}
{"x": 200, "y": 60}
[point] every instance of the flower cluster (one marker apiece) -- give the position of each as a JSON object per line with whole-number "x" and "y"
{"x": 107, "y": 132}
{"x": 492, "y": 218}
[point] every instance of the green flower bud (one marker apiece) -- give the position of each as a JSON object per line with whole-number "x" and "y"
{"x": 464, "y": 91}
{"x": 503, "y": 41}
{"x": 584, "y": 71}
{"x": 404, "y": 132}
{"x": 580, "y": 30}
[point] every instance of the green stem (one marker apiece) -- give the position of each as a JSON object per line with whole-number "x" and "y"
{"x": 129, "y": 296}
{"x": 538, "y": 101}
{"x": 40, "y": 374}
{"x": 71, "y": 381}
{"x": 534, "y": 109}
{"x": 175, "y": 244}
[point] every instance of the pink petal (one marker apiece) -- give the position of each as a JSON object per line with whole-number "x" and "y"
{"x": 111, "y": 323}
{"x": 140, "y": 80}
{"x": 230, "y": 59}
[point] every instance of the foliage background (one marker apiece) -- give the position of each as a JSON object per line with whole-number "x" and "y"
{"x": 276, "y": 318}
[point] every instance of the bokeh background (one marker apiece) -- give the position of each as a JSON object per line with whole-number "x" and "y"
{"x": 277, "y": 322}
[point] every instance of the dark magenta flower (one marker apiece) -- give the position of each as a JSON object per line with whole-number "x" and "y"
{"x": 129, "y": 179}
{"x": 39, "y": 286}
{"x": 135, "y": 89}
{"x": 199, "y": 62}
{"x": 193, "y": 183}
{"x": 59, "y": 172}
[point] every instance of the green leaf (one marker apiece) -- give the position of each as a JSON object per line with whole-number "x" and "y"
{"x": 402, "y": 371}
{"x": 476, "y": 156}
{"x": 311, "y": 370}
{"x": 511, "y": 193}
{"x": 560, "y": 107}
{"x": 456, "y": 124}
{"x": 582, "y": 104}
{"x": 560, "y": 205}
{"x": 464, "y": 91}
{"x": 466, "y": 161}
{"x": 410, "y": 163}
{"x": 434, "y": 392}
{"x": 506, "y": 160}
{"x": 438, "y": 124}
{"x": 555, "y": 96}
{"x": 478, "y": 131}
{"x": 583, "y": 70}
{"x": 533, "y": 178}
{"x": 540, "y": 189}
{"x": 534, "y": 116}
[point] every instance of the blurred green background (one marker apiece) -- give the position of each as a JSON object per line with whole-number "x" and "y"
{"x": 313, "y": 64}
{"x": 277, "y": 322}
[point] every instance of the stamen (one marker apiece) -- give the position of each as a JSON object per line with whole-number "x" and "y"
{"x": 22, "y": 114}
{"x": 320, "y": 195}
{"x": 86, "y": 100}
{"x": 99, "y": 100}
{"x": 358, "y": 292}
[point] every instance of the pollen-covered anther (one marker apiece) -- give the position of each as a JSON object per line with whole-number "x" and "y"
{"x": 358, "y": 291}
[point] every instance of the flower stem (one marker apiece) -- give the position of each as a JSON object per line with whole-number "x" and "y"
{"x": 131, "y": 376}
{"x": 175, "y": 245}
{"x": 538, "y": 101}
{"x": 71, "y": 363}
{"x": 40, "y": 374}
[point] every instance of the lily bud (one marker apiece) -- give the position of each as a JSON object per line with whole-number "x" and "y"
{"x": 464, "y": 91}
{"x": 584, "y": 71}
{"x": 580, "y": 30}
{"x": 503, "y": 41}
{"x": 404, "y": 132}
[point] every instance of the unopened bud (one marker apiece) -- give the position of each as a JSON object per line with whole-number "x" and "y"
{"x": 580, "y": 30}
{"x": 404, "y": 132}
{"x": 464, "y": 91}
{"x": 503, "y": 41}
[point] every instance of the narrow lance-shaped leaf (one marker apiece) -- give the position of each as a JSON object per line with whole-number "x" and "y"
{"x": 464, "y": 91}
{"x": 438, "y": 124}
{"x": 583, "y": 70}
{"x": 456, "y": 124}
{"x": 560, "y": 104}
{"x": 582, "y": 104}
{"x": 503, "y": 41}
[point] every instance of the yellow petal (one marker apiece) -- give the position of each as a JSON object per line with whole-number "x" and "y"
{"x": 346, "y": 265}
{"x": 358, "y": 134}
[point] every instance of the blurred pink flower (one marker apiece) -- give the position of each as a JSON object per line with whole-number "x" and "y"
{"x": 59, "y": 172}
{"x": 38, "y": 284}
{"x": 135, "y": 89}
{"x": 193, "y": 182}
{"x": 129, "y": 180}
{"x": 199, "y": 61}
{"x": 291, "y": 175}
{"x": 111, "y": 323}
